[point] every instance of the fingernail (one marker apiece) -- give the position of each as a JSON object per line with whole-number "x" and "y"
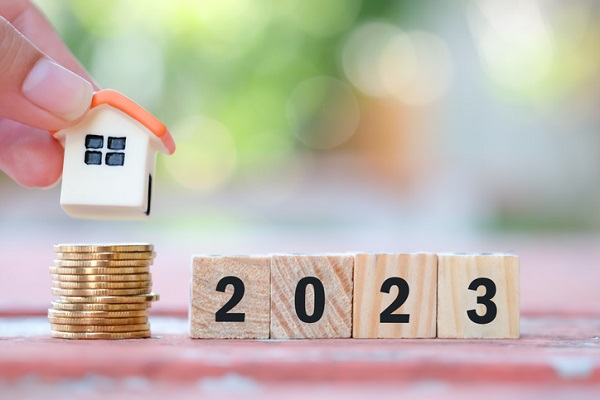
{"x": 57, "y": 90}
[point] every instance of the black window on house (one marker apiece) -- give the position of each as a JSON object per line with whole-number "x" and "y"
{"x": 116, "y": 143}
{"x": 94, "y": 142}
{"x": 93, "y": 157}
{"x": 94, "y": 145}
{"x": 115, "y": 158}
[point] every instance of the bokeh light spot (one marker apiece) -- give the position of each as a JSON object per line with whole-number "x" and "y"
{"x": 514, "y": 42}
{"x": 382, "y": 60}
{"x": 362, "y": 53}
{"x": 416, "y": 68}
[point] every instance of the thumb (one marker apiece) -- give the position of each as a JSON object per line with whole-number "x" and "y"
{"x": 35, "y": 90}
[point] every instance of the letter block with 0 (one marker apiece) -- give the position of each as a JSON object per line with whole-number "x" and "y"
{"x": 311, "y": 296}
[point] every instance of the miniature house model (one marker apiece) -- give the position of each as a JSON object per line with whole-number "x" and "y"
{"x": 109, "y": 159}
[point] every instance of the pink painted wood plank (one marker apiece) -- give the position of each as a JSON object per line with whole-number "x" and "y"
{"x": 551, "y": 351}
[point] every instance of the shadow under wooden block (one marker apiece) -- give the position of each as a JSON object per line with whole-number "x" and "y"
{"x": 311, "y": 296}
{"x": 395, "y": 296}
{"x": 478, "y": 296}
{"x": 230, "y": 297}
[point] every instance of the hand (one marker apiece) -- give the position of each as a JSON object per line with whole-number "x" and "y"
{"x": 42, "y": 87}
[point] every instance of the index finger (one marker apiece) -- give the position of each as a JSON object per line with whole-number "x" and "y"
{"x": 32, "y": 23}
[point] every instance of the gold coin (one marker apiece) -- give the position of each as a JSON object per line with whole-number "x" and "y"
{"x": 102, "y": 285}
{"x": 97, "y": 314}
{"x": 99, "y": 271}
{"x": 142, "y": 298}
{"x": 137, "y": 255}
{"x": 103, "y": 248}
{"x": 103, "y": 278}
{"x": 100, "y": 328}
{"x": 99, "y": 292}
{"x": 69, "y": 306}
{"x": 101, "y": 335}
{"x": 98, "y": 321}
{"x": 102, "y": 263}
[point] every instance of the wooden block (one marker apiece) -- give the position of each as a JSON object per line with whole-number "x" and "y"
{"x": 230, "y": 297}
{"x": 478, "y": 296}
{"x": 395, "y": 296}
{"x": 311, "y": 296}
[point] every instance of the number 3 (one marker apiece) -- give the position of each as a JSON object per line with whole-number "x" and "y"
{"x": 490, "y": 307}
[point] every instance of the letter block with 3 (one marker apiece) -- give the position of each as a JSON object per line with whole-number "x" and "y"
{"x": 478, "y": 296}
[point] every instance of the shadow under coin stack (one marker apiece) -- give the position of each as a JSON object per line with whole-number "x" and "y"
{"x": 105, "y": 291}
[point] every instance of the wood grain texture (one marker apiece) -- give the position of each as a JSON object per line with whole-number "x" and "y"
{"x": 419, "y": 270}
{"x": 207, "y": 271}
{"x": 455, "y": 273}
{"x": 335, "y": 273}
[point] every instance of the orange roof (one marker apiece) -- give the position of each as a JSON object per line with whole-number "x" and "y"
{"x": 131, "y": 108}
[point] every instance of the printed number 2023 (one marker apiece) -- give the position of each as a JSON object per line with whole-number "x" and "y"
{"x": 387, "y": 316}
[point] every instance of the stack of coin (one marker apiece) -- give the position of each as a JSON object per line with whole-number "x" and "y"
{"x": 104, "y": 291}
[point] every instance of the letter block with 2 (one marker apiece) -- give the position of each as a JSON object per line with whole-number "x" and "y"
{"x": 395, "y": 295}
{"x": 230, "y": 297}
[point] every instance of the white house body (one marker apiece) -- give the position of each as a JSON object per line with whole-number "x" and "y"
{"x": 108, "y": 165}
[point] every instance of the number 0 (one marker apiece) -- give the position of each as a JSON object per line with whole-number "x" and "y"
{"x": 300, "y": 299}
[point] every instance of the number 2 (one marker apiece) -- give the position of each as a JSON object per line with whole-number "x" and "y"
{"x": 490, "y": 307}
{"x": 387, "y": 315}
{"x": 223, "y": 315}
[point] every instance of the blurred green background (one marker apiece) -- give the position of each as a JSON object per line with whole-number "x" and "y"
{"x": 426, "y": 115}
